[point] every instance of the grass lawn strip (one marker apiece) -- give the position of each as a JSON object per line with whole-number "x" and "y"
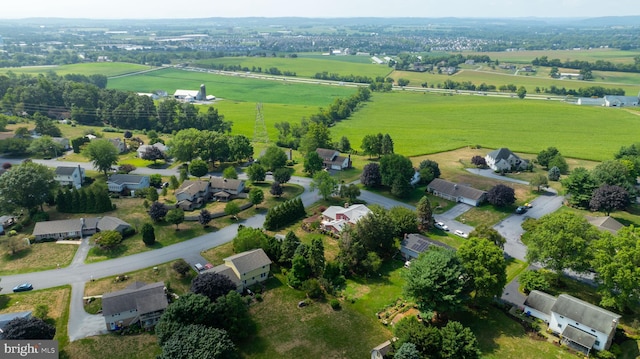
{"x": 37, "y": 257}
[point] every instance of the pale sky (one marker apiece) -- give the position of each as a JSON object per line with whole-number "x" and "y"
{"x": 161, "y": 9}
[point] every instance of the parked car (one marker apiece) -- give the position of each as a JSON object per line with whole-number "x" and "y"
{"x": 24, "y": 287}
{"x": 208, "y": 266}
{"x": 199, "y": 267}
{"x": 521, "y": 210}
{"x": 442, "y": 226}
{"x": 528, "y": 205}
{"x": 460, "y": 233}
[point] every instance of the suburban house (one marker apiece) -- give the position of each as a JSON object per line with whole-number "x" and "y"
{"x": 245, "y": 269}
{"x": 118, "y": 144}
{"x": 413, "y": 244}
{"x": 503, "y": 159}
{"x": 69, "y": 176}
{"x": 332, "y": 160}
{"x": 581, "y": 325}
{"x": 143, "y": 148}
{"x": 620, "y": 101}
{"x": 335, "y": 218}
{"x": 78, "y": 228}
{"x": 64, "y": 142}
{"x": 224, "y": 188}
{"x": 138, "y": 303}
{"x": 605, "y": 223}
{"x": 7, "y": 317}
{"x": 456, "y": 192}
{"x": 120, "y": 182}
{"x": 193, "y": 194}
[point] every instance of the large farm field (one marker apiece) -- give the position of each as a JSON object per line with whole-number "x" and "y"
{"x": 233, "y": 87}
{"x": 525, "y": 57}
{"x": 422, "y": 123}
{"x": 627, "y": 81}
{"x": 103, "y": 68}
{"x": 309, "y": 65}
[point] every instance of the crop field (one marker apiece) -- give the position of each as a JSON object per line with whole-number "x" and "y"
{"x": 233, "y": 88}
{"x": 627, "y": 81}
{"x": 309, "y": 65}
{"x": 429, "y": 123}
{"x": 103, "y": 68}
{"x": 525, "y": 57}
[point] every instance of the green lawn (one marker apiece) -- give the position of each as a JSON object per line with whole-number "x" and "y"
{"x": 37, "y": 257}
{"x": 430, "y": 123}
{"x": 234, "y": 87}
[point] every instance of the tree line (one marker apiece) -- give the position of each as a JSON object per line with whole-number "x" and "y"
{"x": 93, "y": 199}
{"x": 601, "y": 65}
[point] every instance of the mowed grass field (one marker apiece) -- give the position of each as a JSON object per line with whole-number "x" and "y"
{"x": 233, "y": 87}
{"x": 103, "y": 68}
{"x": 309, "y": 65}
{"x": 422, "y": 123}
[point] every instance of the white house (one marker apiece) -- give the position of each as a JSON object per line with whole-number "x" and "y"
{"x": 503, "y": 159}
{"x": 581, "y": 325}
{"x": 456, "y": 192}
{"x": 335, "y": 218}
{"x": 120, "y": 182}
{"x": 73, "y": 176}
{"x": 246, "y": 268}
{"x": 118, "y": 144}
{"x": 332, "y": 160}
{"x": 620, "y": 101}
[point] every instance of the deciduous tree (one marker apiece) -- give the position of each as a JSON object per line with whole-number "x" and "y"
{"x": 539, "y": 180}
{"x": 282, "y": 175}
{"x": 479, "y": 161}
{"x": 487, "y": 232}
{"x": 395, "y": 166}
{"x": 561, "y": 241}
{"x": 312, "y": 163}
{"x": 256, "y": 173}
{"x": 580, "y": 186}
{"x": 198, "y": 167}
{"x": 26, "y": 186}
{"x": 212, "y": 285}
{"x": 485, "y": 264}
{"x": 546, "y": 155}
{"x": 256, "y": 196}
{"x": 370, "y": 176}
{"x": 609, "y": 198}
{"x": 351, "y": 192}
{"x": 437, "y": 281}
{"x": 181, "y": 267}
{"x": 501, "y": 195}
{"x": 107, "y": 239}
{"x": 232, "y": 209}
{"x": 102, "y": 153}
{"x": 458, "y": 342}
{"x": 325, "y": 184}
{"x": 230, "y": 172}
{"x": 153, "y": 153}
{"x": 273, "y": 158}
{"x": 157, "y": 211}
{"x": 175, "y": 216}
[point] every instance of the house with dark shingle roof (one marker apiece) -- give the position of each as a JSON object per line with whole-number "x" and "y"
{"x": 78, "y": 227}
{"x": 228, "y": 185}
{"x": 503, "y": 159}
{"x": 456, "y": 192}
{"x": 332, "y": 160}
{"x": 138, "y": 303}
{"x": 413, "y": 244}
{"x": 193, "y": 194}
{"x": 581, "y": 325}
{"x": 119, "y": 182}
{"x": 246, "y": 268}
{"x": 70, "y": 175}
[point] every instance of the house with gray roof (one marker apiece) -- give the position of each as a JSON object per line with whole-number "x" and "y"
{"x": 581, "y": 325}
{"x": 78, "y": 227}
{"x": 120, "y": 182}
{"x": 246, "y": 268}
{"x": 332, "y": 160}
{"x": 413, "y": 244}
{"x": 620, "y": 101}
{"x": 228, "y": 185}
{"x": 138, "y": 303}
{"x": 456, "y": 192}
{"x": 193, "y": 194}
{"x": 70, "y": 176}
{"x": 606, "y": 223}
{"x": 503, "y": 159}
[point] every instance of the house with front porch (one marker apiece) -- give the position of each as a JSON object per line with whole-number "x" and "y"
{"x": 245, "y": 269}
{"x": 332, "y": 160}
{"x": 138, "y": 303}
{"x": 581, "y": 325}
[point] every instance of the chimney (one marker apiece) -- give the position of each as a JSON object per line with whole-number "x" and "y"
{"x": 455, "y": 186}
{"x": 346, "y": 205}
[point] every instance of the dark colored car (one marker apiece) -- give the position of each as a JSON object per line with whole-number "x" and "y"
{"x": 521, "y": 210}
{"x": 24, "y": 287}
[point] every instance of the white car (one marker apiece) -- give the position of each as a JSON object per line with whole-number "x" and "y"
{"x": 442, "y": 226}
{"x": 460, "y": 233}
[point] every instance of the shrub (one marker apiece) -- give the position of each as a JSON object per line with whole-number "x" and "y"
{"x": 259, "y": 297}
{"x": 533, "y": 280}
{"x": 335, "y": 304}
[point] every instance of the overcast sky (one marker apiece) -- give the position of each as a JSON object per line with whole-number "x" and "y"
{"x": 150, "y": 9}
